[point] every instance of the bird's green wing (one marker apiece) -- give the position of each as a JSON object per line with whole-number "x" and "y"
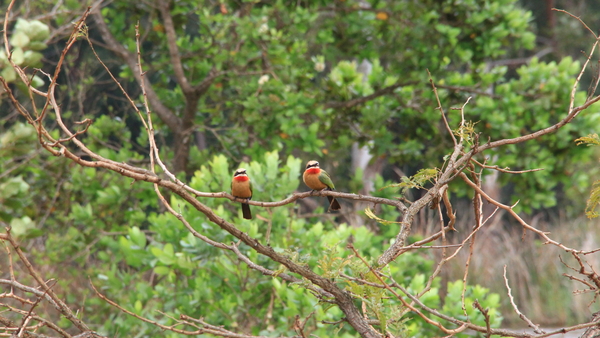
{"x": 251, "y": 192}
{"x": 325, "y": 179}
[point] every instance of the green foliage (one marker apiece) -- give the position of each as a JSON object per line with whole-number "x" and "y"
{"x": 291, "y": 77}
{"x": 594, "y": 200}
{"x": 538, "y": 98}
{"x": 488, "y": 301}
{"x": 16, "y": 184}
{"x": 452, "y": 305}
{"x": 369, "y": 213}
{"x": 111, "y": 230}
{"x": 417, "y": 181}
{"x": 289, "y": 73}
{"x": 590, "y": 140}
{"x": 16, "y": 141}
{"x": 27, "y": 40}
{"x": 188, "y": 272}
{"x": 466, "y": 132}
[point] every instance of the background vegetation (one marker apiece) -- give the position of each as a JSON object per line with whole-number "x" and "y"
{"x": 269, "y": 85}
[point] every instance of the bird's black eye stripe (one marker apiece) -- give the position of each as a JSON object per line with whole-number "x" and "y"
{"x": 316, "y": 164}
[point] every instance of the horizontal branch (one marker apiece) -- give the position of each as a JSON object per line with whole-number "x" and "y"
{"x": 27, "y": 289}
{"x": 301, "y": 195}
{"x": 505, "y": 170}
{"x": 342, "y": 298}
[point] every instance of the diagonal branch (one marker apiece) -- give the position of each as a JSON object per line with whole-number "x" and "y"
{"x": 47, "y": 291}
{"x": 165, "y": 114}
{"x": 441, "y": 109}
{"x": 459, "y": 159}
{"x": 511, "y": 211}
{"x": 573, "y": 112}
{"x": 535, "y": 327}
{"x": 404, "y": 302}
{"x": 205, "y": 329}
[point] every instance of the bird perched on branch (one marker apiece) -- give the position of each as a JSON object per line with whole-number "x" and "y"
{"x": 242, "y": 187}
{"x": 318, "y": 179}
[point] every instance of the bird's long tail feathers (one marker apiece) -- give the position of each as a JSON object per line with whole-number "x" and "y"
{"x": 333, "y": 203}
{"x": 246, "y": 211}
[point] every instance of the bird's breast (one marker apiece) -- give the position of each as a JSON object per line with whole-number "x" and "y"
{"x": 312, "y": 180}
{"x": 241, "y": 189}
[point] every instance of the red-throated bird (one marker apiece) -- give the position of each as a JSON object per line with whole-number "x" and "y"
{"x": 318, "y": 179}
{"x": 242, "y": 187}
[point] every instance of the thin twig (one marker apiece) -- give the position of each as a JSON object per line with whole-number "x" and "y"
{"x": 486, "y": 316}
{"x": 505, "y": 170}
{"x": 441, "y": 109}
{"x": 60, "y": 305}
{"x": 578, "y": 19}
{"x": 535, "y": 328}
{"x": 404, "y": 302}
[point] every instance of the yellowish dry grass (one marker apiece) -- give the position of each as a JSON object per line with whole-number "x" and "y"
{"x": 534, "y": 270}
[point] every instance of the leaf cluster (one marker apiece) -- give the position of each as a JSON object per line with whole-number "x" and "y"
{"x": 594, "y": 200}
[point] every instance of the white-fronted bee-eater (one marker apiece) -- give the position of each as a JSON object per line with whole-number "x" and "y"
{"x": 242, "y": 187}
{"x": 318, "y": 179}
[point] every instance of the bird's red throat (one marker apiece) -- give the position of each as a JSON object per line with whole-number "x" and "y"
{"x": 241, "y": 178}
{"x": 313, "y": 171}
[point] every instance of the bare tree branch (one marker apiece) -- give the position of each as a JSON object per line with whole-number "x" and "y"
{"x": 459, "y": 162}
{"x": 165, "y": 114}
{"x": 535, "y": 328}
{"x": 204, "y": 327}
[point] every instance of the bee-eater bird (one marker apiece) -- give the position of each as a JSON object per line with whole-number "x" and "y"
{"x": 318, "y": 179}
{"x": 242, "y": 187}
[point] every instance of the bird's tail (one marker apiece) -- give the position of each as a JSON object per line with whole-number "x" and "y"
{"x": 333, "y": 203}
{"x": 246, "y": 211}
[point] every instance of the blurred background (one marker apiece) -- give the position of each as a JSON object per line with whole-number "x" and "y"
{"x": 269, "y": 85}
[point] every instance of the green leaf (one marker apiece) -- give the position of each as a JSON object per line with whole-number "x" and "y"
{"x": 137, "y": 237}
{"x": 37, "y": 82}
{"x": 38, "y": 31}
{"x": 166, "y": 255}
{"x": 371, "y": 215}
{"x": 21, "y": 226}
{"x": 593, "y": 201}
{"x": 13, "y": 187}
{"x": 18, "y": 56}
{"x": 590, "y": 140}
{"x": 417, "y": 181}
{"x": 37, "y": 46}
{"x": 32, "y": 59}
{"x": 162, "y": 270}
{"x": 19, "y": 40}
